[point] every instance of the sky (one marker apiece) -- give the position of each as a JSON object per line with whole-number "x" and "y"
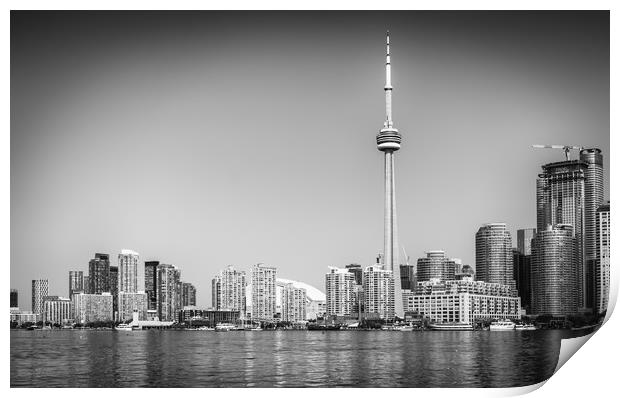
{"x": 207, "y": 139}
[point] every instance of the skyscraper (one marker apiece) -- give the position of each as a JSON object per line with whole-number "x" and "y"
{"x": 130, "y": 302}
{"x": 76, "y": 282}
{"x": 560, "y": 196}
{"x": 356, "y": 270}
{"x": 263, "y": 292}
{"x": 128, "y": 271}
{"x": 168, "y": 277}
{"x": 594, "y": 197}
{"x": 150, "y": 283}
{"x": 524, "y": 240}
{"x": 92, "y": 307}
{"x": 14, "y": 298}
{"x": 379, "y": 292}
{"x": 601, "y": 270}
{"x": 555, "y": 288}
{"x": 494, "y": 255}
{"x": 340, "y": 293}
{"x": 388, "y": 142}
{"x": 522, "y": 274}
{"x": 435, "y": 266}
{"x": 114, "y": 289}
{"x": 99, "y": 273}
{"x": 229, "y": 288}
{"x": 40, "y": 289}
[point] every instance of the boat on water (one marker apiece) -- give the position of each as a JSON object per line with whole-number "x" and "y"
{"x": 525, "y": 326}
{"x": 225, "y": 327}
{"x": 203, "y": 328}
{"x": 404, "y": 328}
{"x": 505, "y": 324}
{"x": 123, "y": 326}
{"x": 451, "y": 326}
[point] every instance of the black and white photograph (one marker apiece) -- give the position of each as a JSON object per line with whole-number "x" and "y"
{"x": 260, "y": 199}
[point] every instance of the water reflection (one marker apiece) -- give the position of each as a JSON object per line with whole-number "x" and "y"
{"x": 290, "y": 359}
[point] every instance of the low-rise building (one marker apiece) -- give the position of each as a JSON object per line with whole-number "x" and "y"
{"x": 462, "y": 301}
{"x": 57, "y": 310}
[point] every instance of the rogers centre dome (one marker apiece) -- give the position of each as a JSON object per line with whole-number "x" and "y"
{"x": 315, "y": 299}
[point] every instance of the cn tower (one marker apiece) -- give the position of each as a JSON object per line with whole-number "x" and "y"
{"x": 388, "y": 142}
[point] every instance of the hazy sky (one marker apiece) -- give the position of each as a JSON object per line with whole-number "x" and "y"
{"x": 204, "y": 139}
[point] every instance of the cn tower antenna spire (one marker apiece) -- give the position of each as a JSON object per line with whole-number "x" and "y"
{"x": 388, "y": 84}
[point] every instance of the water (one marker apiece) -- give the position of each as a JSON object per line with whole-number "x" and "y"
{"x": 103, "y": 358}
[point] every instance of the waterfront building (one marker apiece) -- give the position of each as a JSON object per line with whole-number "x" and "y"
{"x": 128, "y": 303}
{"x": 388, "y": 142}
{"x": 379, "y": 292}
{"x": 188, "y": 296}
{"x": 114, "y": 289}
{"x": 57, "y": 310}
{"x": 340, "y": 292}
{"x": 14, "y": 298}
{"x": 463, "y": 301}
{"x": 17, "y": 316}
{"x": 216, "y": 284}
{"x": 76, "y": 282}
{"x": 168, "y": 277}
{"x": 524, "y": 240}
{"x": 494, "y": 255}
{"x": 229, "y": 290}
{"x": 263, "y": 292}
{"x": 150, "y": 283}
{"x": 130, "y": 274}
{"x": 560, "y": 199}
{"x": 555, "y": 288}
{"x": 99, "y": 274}
{"x": 315, "y": 298}
{"x": 92, "y": 307}
{"x": 40, "y": 289}
{"x": 522, "y": 265}
{"x": 602, "y": 261}
{"x": 435, "y": 266}
{"x": 203, "y": 317}
{"x": 293, "y": 301}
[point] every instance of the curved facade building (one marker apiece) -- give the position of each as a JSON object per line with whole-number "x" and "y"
{"x": 494, "y": 255}
{"x": 555, "y": 286}
{"x": 436, "y": 266}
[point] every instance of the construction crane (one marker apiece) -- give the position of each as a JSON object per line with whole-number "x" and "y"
{"x": 566, "y": 148}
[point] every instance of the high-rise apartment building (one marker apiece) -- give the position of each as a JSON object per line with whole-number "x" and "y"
{"x": 340, "y": 293}
{"x": 263, "y": 292}
{"x": 555, "y": 287}
{"x": 99, "y": 274}
{"x": 130, "y": 302}
{"x": 379, "y": 292}
{"x": 293, "y": 303}
{"x": 129, "y": 274}
{"x": 601, "y": 271}
{"x": 356, "y": 269}
{"x": 92, "y": 307}
{"x": 494, "y": 255}
{"x": 150, "y": 283}
{"x": 114, "y": 289}
{"x": 408, "y": 278}
{"x": 57, "y": 310}
{"x": 436, "y": 266}
{"x": 229, "y": 290}
{"x": 560, "y": 199}
{"x": 524, "y": 240}
{"x": 188, "y": 296}
{"x": 76, "y": 282}
{"x": 86, "y": 284}
{"x": 14, "y": 298}
{"x": 168, "y": 277}
{"x": 40, "y": 289}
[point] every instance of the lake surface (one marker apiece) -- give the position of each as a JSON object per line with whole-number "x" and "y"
{"x": 104, "y": 358}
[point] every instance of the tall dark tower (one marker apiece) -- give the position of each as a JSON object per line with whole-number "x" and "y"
{"x": 388, "y": 142}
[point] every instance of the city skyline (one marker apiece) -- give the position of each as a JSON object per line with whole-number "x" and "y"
{"x": 286, "y": 219}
